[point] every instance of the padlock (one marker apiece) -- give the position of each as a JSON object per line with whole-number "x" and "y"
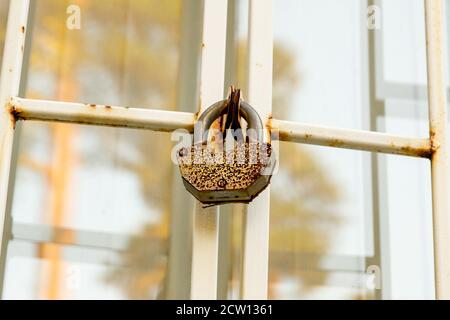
{"x": 225, "y": 176}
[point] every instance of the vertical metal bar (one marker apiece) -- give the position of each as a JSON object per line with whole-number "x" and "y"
{"x": 377, "y": 166}
{"x": 17, "y": 134}
{"x": 254, "y": 274}
{"x": 437, "y": 104}
{"x": 9, "y": 86}
{"x": 205, "y": 233}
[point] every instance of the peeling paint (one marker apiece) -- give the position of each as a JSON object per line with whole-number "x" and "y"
{"x": 336, "y": 143}
{"x": 433, "y": 141}
{"x": 284, "y": 136}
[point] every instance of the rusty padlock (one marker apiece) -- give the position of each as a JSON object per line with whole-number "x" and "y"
{"x": 235, "y": 175}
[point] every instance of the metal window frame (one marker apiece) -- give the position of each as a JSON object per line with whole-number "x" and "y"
{"x": 254, "y": 274}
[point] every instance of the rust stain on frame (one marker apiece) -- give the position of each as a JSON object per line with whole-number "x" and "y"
{"x": 434, "y": 144}
{"x": 424, "y": 152}
{"x": 14, "y": 113}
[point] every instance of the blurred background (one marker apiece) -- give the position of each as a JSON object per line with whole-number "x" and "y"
{"x": 101, "y": 213}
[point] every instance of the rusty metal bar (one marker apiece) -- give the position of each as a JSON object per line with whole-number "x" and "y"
{"x": 9, "y": 86}
{"x": 159, "y": 120}
{"x": 351, "y": 139}
{"x": 102, "y": 115}
{"x": 437, "y": 104}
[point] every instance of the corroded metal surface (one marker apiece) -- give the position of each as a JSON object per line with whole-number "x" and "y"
{"x": 236, "y": 175}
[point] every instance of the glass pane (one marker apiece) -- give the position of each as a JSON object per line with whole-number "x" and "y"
{"x": 85, "y": 192}
{"x": 406, "y": 186}
{"x": 335, "y": 210}
{"x": 404, "y": 183}
{"x": 124, "y": 53}
{"x": 318, "y": 64}
{"x": 403, "y": 34}
{"x": 4, "y": 4}
{"x": 321, "y": 223}
{"x": 320, "y": 227}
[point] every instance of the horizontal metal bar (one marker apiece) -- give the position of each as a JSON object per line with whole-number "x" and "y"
{"x": 402, "y": 91}
{"x": 92, "y": 114}
{"x": 305, "y": 261}
{"x": 116, "y": 243}
{"x": 74, "y": 254}
{"x": 351, "y": 139}
{"x": 40, "y": 233}
{"x": 353, "y": 277}
{"x": 114, "y": 259}
{"x": 159, "y": 120}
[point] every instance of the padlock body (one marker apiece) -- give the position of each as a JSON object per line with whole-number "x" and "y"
{"x": 224, "y": 176}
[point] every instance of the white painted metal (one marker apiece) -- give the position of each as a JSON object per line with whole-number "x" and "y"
{"x": 9, "y": 86}
{"x": 255, "y": 259}
{"x": 160, "y": 120}
{"x": 437, "y": 104}
{"x": 206, "y": 233}
{"x": 157, "y": 120}
{"x": 351, "y": 139}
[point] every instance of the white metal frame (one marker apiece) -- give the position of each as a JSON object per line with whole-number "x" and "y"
{"x": 205, "y": 244}
{"x": 254, "y": 275}
{"x": 437, "y": 109}
{"x": 9, "y": 86}
{"x": 255, "y": 257}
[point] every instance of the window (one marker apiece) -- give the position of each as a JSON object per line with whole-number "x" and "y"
{"x": 92, "y": 206}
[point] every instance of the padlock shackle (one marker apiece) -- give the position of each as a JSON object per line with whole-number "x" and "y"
{"x": 218, "y": 109}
